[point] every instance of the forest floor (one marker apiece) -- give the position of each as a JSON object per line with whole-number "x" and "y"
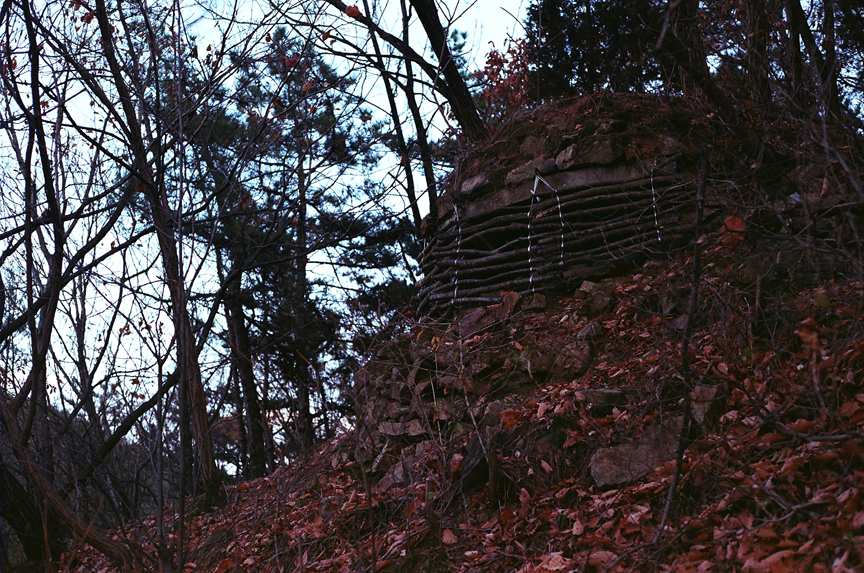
{"x": 770, "y": 479}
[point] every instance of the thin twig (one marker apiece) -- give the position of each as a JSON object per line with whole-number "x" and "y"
{"x": 683, "y": 438}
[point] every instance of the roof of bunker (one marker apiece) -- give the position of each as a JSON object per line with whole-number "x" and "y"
{"x": 643, "y": 127}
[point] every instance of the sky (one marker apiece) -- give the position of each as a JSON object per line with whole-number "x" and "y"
{"x": 489, "y": 22}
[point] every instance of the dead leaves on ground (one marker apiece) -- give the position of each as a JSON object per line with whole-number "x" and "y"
{"x": 772, "y": 485}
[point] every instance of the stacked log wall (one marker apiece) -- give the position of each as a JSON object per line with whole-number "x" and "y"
{"x": 550, "y": 229}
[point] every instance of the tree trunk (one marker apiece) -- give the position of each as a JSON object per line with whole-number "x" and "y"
{"x": 243, "y": 434}
{"x": 826, "y": 76}
{"x": 796, "y": 63}
{"x": 42, "y": 489}
{"x": 187, "y": 352}
{"x": 829, "y": 46}
{"x": 306, "y": 428}
{"x": 757, "y": 47}
{"x": 420, "y": 129}
{"x": 460, "y": 98}
{"x": 241, "y": 348}
{"x": 685, "y": 19}
{"x": 21, "y": 511}
{"x": 397, "y": 126}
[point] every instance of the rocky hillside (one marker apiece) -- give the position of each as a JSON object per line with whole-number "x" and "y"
{"x": 682, "y": 413}
{"x": 540, "y": 434}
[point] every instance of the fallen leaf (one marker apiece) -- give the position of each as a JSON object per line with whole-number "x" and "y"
{"x": 556, "y": 562}
{"x": 456, "y": 463}
{"x": 510, "y": 418}
{"x": 733, "y": 231}
{"x": 848, "y": 408}
{"x": 601, "y": 558}
{"x": 546, "y": 467}
{"x": 801, "y": 426}
{"x": 542, "y": 409}
{"x": 808, "y": 331}
{"x": 578, "y": 528}
{"x": 449, "y": 538}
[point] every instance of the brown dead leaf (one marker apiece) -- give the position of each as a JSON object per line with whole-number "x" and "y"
{"x": 809, "y": 330}
{"x": 510, "y": 418}
{"x": 449, "y": 538}
{"x": 848, "y": 408}
{"x": 555, "y": 562}
{"x": 543, "y": 408}
{"x": 601, "y": 558}
{"x": 456, "y": 463}
{"x": 733, "y": 231}
{"x": 546, "y": 467}
{"x": 573, "y": 438}
{"x": 801, "y": 426}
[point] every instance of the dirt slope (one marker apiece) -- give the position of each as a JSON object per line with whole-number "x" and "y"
{"x": 771, "y": 478}
{"x": 542, "y": 433}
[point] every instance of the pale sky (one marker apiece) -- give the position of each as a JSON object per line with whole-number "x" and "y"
{"x": 489, "y": 21}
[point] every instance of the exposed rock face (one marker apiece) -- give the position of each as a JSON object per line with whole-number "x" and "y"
{"x": 626, "y": 462}
{"x": 601, "y": 152}
{"x": 611, "y": 192}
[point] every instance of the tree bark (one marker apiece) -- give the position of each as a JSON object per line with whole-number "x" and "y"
{"x": 460, "y": 100}
{"x": 686, "y": 25}
{"x": 241, "y": 348}
{"x": 114, "y": 550}
{"x": 796, "y": 64}
{"x": 187, "y": 352}
{"x": 24, "y": 516}
{"x": 817, "y": 60}
{"x": 757, "y": 48}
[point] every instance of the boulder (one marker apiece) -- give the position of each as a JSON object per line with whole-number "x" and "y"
{"x": 534, "y": 301}
{"x": 707, "y": 401}
{"x": 601, "y": 152}
{"x": 527, "y": 171}
{"x": 472, "y": 184}
{"x": 601, "y": 400}
{"x": 590, "y": 331}
{"x": 626, "y": 462}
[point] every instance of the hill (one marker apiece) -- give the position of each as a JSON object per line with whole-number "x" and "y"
{"x": 699, "y": 408}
